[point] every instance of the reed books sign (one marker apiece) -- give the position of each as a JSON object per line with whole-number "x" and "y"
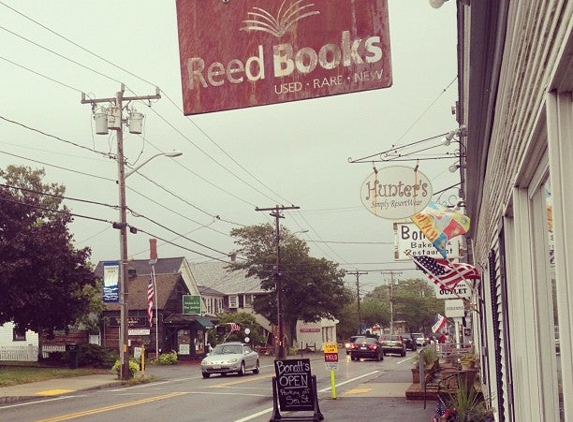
{"x": 244, "y": 53}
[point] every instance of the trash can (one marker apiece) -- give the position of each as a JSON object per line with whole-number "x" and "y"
{"x": 73, "y": 354}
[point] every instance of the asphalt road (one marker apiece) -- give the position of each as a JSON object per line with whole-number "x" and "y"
{"x": 364, "y": 391}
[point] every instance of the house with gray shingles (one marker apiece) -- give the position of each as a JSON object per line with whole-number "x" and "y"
{"x": 239, "y": 291}
{"x": 172, "y": 328}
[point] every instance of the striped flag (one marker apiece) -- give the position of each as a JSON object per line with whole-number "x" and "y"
{"x": 444, "y": 273}
{"x": 234, "y": 327}
{"x": 150, "y": 299}
{"x": 439, "y": 323}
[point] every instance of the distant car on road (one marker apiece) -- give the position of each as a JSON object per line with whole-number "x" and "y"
{"x": 366, "y": 347}
{"x": 421, "y": 339}
{"x": 230, "y": 357}
{"x": 351, "y": 343}
{"x": 393, "y": 343}
{"x": 409, "y": 341}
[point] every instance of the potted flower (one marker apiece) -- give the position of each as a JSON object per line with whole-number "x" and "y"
{"x": 468, "y": 361}
{"x": 429, "y": 356}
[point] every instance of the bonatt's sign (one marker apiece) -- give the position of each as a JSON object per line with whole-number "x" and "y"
{"x": 396, "y": 192}
{"x": 244, "y": 53}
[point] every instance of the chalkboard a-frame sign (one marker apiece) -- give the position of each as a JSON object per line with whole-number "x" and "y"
{"x": 294, "y": 388}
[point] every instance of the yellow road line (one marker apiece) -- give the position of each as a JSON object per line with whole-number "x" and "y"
{"x": 110, "y": 408}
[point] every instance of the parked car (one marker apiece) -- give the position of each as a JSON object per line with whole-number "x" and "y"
{"x": 421, "y": 339}
{"x": 351, "y": 343}
{"x": 409, "y": 341}
{"x": 393, "y": 343}
{"x": 230, "y": 357}
{"x": 366, "y": 347}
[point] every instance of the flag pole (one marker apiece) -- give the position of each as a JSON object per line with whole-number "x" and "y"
{"x": 155, "y": 295}
{"x": 442, "y": 285}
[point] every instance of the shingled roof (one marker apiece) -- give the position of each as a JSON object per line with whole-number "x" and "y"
{"x": 143, "y": 266}
{"x": 216, "y": 275}
{"x": 137, "y": 291}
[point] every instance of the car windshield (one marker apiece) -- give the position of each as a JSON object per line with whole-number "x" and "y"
{"x": 392, "y": 338}
{"x": 227, "y": 349}
{"x": 366, "y": 340}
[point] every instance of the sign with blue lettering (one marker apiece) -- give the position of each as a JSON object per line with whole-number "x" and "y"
{"x": 111, "y": 282}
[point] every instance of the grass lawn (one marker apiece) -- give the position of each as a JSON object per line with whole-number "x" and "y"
{"x": 13, "y": 374}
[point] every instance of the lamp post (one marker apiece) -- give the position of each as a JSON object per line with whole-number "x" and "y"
{"x": 112, "y": 118}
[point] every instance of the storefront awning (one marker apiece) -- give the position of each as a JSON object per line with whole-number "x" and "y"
{"x": 180, "y": 319}
{"x": 205, "y": 322}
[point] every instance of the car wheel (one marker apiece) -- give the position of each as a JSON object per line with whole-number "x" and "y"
{"x": 206, "y": 375}
{"x": 256, "y": 369}
{"x": 242, "y": 369}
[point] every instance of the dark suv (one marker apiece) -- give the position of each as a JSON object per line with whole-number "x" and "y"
{"x": 409, "y": 341}
{"x": 393, "y": 343}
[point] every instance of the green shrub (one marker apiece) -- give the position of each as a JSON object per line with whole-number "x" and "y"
{"x": 96, "y": 356}
{"x": 167, "y": 359}
{"x": 133, "y": 367}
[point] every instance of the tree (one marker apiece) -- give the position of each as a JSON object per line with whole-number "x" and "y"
{"x": 46, "y": 284}
{"x": 414, "y": 301}
{"x": 244, "y": 320}
{"x": 313, "y": 288}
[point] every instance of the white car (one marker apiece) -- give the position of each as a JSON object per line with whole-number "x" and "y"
{"x": 421, "y": 340}
{"x": 230, "y": 357}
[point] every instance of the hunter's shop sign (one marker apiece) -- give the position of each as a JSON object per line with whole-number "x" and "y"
{"x": 396, "y": 192}
{"x": 244, "y": 53}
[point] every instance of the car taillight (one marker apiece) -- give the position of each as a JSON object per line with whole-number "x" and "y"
{"x": 372, "y": 347}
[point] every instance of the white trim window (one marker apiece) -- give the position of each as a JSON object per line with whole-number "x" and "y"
{"x": 233, "y": 301}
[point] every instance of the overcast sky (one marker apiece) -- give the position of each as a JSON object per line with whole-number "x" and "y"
{"x": 233, "y": 161}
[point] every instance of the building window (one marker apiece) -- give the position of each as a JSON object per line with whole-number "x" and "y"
{"x": 18, "y": 334}
{"x": 249, "y": 301}
{"x": 233, "y": 301}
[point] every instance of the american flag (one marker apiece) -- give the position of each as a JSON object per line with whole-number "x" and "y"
{"x": 444, "y": 273}
{"x": 234, "y": 327}
{"x": 150, "y": 298}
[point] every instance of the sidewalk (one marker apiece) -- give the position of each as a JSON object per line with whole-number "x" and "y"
{"x": 370, "y": 400}
{"x": 56, "y": 387}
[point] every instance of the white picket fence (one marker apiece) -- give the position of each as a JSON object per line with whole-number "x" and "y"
{"x": 46, "y": 350}
{"x": 27, "y": 353}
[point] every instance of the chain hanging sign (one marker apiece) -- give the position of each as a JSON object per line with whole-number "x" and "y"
{"x": 396, "y": 192}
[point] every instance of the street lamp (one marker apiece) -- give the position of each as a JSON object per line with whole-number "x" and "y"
{"x": 171, "y": 154}
{"x": 111, "y": 117}
{"x": 124, "y": 272}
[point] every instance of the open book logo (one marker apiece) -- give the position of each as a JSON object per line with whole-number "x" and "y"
{"x": 262, "y": 20}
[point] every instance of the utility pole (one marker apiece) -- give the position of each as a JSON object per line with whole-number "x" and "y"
{"x": 391, "y": 296}
{"x": 112, "y": 118}
{"x": 278, "y": 282}
{"x": 358, "y": 274}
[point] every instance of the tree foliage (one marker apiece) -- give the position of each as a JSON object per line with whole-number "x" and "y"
{"x": 414, "y": 301}
{"x": 313, "y": 288}
{"x": 46, "y": 284}
{"x": 245, "y": 320}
